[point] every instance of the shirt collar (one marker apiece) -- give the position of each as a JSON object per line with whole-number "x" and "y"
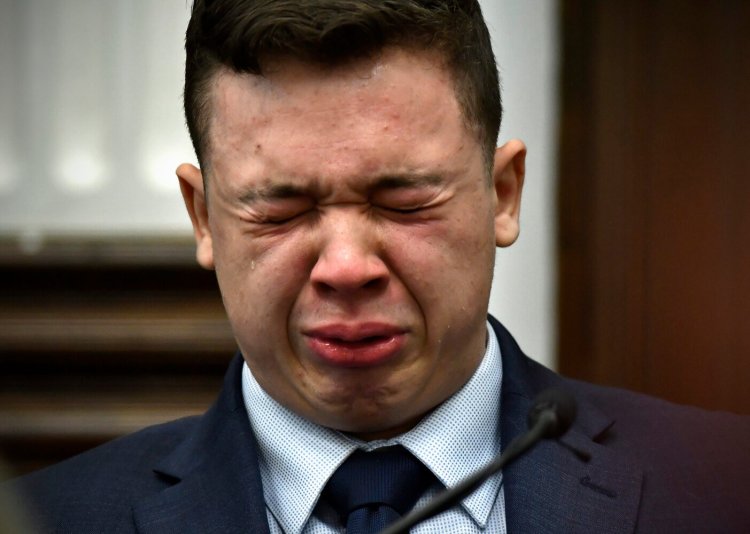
{"x": 297, "y": 457}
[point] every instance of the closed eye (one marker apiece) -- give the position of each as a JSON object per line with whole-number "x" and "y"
{"x": 283, "y": 210}
{"x": 284, "y": 218}
{"x": 406, "y": 210}
{"x": 408, "y": 214}
{"x": 276, "y": 204}
{"x": 408, "y": 195}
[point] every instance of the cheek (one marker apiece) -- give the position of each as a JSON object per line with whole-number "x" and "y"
{"x": 260, "y": 287}
{"x": 259, "y": 280}
{"x": 461, "y": 243}
{"x": 455, "y": 257}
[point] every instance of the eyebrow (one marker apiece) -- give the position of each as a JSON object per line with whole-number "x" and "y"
{"x": 272, "y": 192}
{"x": 281, "y": 191}
{"x": 407, "y": 180}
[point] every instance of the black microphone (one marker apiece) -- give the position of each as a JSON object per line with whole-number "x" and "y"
{"x": 556, "y": 409}
{"x": 550, "y": 417}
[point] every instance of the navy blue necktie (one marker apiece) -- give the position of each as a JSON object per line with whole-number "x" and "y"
{"x": 372, "y": 489}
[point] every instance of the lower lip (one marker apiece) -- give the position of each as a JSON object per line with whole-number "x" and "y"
{"x": 365, "y": 353}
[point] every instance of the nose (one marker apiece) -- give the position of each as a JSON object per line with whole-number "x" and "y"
{"x": 349, "y": 260}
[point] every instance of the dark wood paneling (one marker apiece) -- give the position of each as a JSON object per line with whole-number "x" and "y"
{"x": 99, "y": 338}
{"x": 654, "y": 196}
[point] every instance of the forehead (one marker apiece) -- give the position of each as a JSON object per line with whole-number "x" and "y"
{"x": 286, "y": 77}
{"x": 390, "y": 86}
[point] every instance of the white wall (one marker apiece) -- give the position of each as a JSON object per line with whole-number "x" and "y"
{"x": 526, "y": 45}
{"x": 91, "y": 125}
{"x": 91, "y": 130}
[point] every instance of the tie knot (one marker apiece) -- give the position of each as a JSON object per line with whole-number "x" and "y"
{"x": 373, "y": 482}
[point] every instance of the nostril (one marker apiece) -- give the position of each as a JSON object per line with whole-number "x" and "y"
{"x": 375, "y": 283}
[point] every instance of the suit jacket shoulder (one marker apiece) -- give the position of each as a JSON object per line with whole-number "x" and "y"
{"x": 198, "y": 474}
{"x": 655, "y": 466}
{"x": 95, "y": 491}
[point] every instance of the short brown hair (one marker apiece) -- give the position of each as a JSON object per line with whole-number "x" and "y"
{"x": 236, "y": 34}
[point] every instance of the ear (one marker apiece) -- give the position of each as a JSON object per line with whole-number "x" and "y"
{"x": 191, "y": 185}
{"x": 508, "y": 174}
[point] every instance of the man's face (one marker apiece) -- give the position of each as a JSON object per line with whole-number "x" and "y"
{"x": 352, "y": 227}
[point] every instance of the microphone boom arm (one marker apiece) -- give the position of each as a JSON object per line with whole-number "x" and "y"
{"x": 545, "y": 420}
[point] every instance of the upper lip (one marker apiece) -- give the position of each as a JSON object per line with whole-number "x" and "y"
{"x": 353, "y": 332}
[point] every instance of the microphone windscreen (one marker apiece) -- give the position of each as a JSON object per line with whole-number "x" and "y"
{"x": 557, "y": 402}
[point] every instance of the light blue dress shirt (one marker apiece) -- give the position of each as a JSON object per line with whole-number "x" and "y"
{"x": 297, "y": 457}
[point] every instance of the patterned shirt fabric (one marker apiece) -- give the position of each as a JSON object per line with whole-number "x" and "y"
{"x": 297, "y": 457}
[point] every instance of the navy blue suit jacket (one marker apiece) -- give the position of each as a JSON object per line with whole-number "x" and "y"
{"x": 655, "y": 467}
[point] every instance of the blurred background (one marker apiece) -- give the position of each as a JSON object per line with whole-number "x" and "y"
{"x": 633, "y": 266}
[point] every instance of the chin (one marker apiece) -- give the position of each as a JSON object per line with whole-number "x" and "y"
{"x": 369, "y": 419}
{"x": 372, "y": 430}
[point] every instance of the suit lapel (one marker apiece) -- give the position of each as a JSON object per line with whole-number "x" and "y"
{"x": 214, "y": 475}
{"x": 550, "y": 489}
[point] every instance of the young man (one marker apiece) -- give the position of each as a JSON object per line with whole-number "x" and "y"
{"x": 350, "y": 198}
